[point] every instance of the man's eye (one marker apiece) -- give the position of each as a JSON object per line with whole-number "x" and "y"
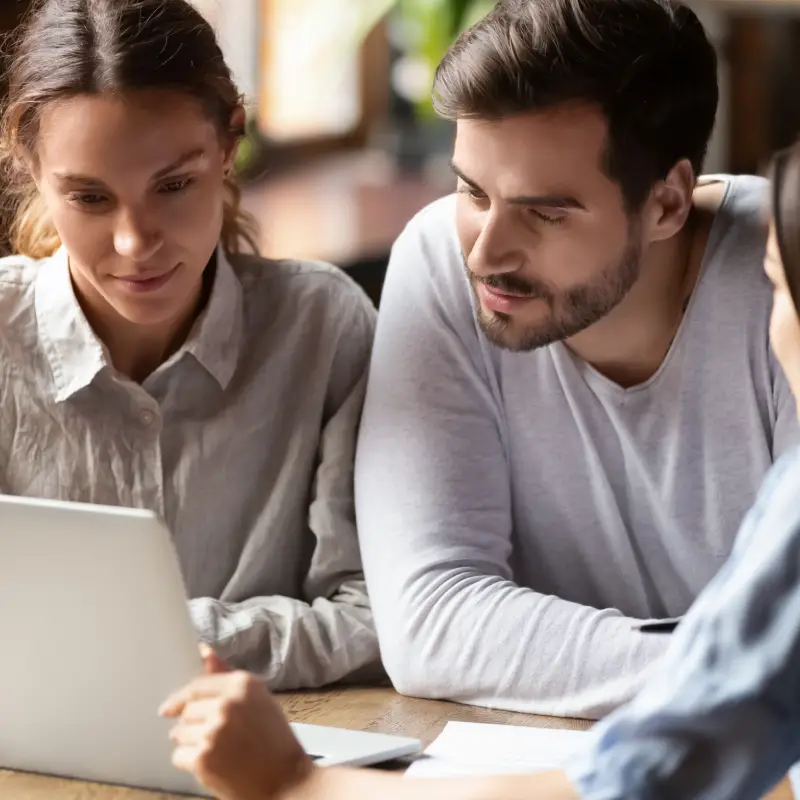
{"x": 475, "y": 194}
{"x": 547, "y": 219}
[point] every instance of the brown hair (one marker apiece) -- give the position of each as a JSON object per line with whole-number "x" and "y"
{"x": 786, "y": 215}
{"x": 71, "y": 47}
{"x": 646, "y": 63}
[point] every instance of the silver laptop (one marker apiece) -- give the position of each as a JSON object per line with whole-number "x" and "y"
{"x": 95, "y": 635}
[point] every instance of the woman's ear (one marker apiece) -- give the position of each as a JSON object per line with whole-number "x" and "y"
{"x": 236, "y": 132}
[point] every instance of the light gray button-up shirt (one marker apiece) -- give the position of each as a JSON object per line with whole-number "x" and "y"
{"x": 243, "y": 441}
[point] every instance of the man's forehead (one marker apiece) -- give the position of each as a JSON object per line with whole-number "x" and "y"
{"x": 533, "y": 153}
{"x": 584, "y": 120}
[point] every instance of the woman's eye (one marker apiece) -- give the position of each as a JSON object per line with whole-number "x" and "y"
{"x": 88, "y": 199}
{"x": 176, "y": 186}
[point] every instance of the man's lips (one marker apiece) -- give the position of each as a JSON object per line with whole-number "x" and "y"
{"x": 504, "y": 302}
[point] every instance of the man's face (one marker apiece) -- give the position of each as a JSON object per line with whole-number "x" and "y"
{"x": 548, "y": 244}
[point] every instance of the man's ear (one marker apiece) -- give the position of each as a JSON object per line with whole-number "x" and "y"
{"x": 670, "y": 202}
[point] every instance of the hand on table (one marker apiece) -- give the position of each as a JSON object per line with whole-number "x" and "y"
{"x": 232, "y": 735}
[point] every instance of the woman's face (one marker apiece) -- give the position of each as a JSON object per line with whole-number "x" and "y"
{"x": 784, "y": 330}
{"x": 135, "y": 188}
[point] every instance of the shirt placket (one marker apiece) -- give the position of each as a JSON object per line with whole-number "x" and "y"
{"x": 149, "y": 475}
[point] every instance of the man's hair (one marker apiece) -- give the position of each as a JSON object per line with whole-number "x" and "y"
{"x": 647, "y": 64}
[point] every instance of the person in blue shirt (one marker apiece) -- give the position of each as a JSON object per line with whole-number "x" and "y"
{"x": 719, "y": 716}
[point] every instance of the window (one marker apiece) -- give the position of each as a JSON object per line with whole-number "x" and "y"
{"x": 310, "y": 70}
{"x": 308, "y": 74}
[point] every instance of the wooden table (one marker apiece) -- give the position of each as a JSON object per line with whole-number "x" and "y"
{"x": 379, "y": 710}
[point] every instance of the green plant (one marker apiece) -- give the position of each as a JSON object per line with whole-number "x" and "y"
{"x": 430, "y": 27}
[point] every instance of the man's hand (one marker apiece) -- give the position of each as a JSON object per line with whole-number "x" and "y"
{"x": 232, "y": 735}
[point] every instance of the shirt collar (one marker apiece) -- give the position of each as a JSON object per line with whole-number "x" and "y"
{"x": 216, "y": 338}
{"x": 76, "y": 355}
{"x": 74, "y": 352}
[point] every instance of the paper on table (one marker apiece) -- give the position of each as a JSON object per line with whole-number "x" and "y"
{"x": 468, "y": 748}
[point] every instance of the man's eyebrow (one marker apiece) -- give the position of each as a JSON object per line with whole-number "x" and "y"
{"x": 87, "y": 180}
{"x": 459, "y": 174}
{"x": 547, "y": 200}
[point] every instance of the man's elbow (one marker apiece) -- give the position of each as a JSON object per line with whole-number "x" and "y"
{"x": 412, "y": 671}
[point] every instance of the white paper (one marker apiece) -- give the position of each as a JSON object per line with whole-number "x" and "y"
{"x": 468, "y": 748}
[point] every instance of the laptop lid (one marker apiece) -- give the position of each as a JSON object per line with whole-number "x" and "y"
{"x": 96, "y": 634}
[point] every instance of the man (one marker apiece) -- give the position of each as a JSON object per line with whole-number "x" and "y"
{"x": 572, "y": 401}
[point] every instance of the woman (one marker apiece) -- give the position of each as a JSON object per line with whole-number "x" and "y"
{"x": 148, "y": 360}
{"x": 718, "y": 718}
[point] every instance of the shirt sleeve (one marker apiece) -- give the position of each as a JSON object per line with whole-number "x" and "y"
{"x": 327, "y": 635}
{"x": 720, "y": 716}
{"x": 434, "y": 513}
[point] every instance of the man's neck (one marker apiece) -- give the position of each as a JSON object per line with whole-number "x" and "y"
{"x": 629, "y": 345}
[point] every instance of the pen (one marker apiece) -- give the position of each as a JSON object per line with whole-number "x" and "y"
{"x": 660, "y": 626}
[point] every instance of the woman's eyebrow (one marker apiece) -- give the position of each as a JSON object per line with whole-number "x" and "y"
{"x": 88, "y": 180}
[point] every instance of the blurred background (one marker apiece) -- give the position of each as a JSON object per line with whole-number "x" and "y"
{"x": 343, "y": 148}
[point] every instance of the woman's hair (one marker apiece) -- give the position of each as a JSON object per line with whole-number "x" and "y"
{"x": 786, "y": 214}
{"x": 73, "y": 47}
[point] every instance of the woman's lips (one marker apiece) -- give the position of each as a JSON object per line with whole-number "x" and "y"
{"x": 142, "y": 284}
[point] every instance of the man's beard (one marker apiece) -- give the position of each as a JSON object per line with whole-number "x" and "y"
{"x": 571, "y": 311}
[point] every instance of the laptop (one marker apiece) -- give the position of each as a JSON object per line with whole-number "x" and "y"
{"x": 96, "y": 633}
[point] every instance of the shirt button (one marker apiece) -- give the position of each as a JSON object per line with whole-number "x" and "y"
{"x": 147, "y": 418}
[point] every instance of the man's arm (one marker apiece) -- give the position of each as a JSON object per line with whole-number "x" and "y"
{"x": 720, "y": 715}
{"x": 433, "y": 496}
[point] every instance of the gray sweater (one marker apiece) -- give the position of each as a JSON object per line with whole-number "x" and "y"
{"x": 518, "y": 511}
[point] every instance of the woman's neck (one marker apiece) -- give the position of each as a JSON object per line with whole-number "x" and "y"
{"x": 136, "y": 351}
